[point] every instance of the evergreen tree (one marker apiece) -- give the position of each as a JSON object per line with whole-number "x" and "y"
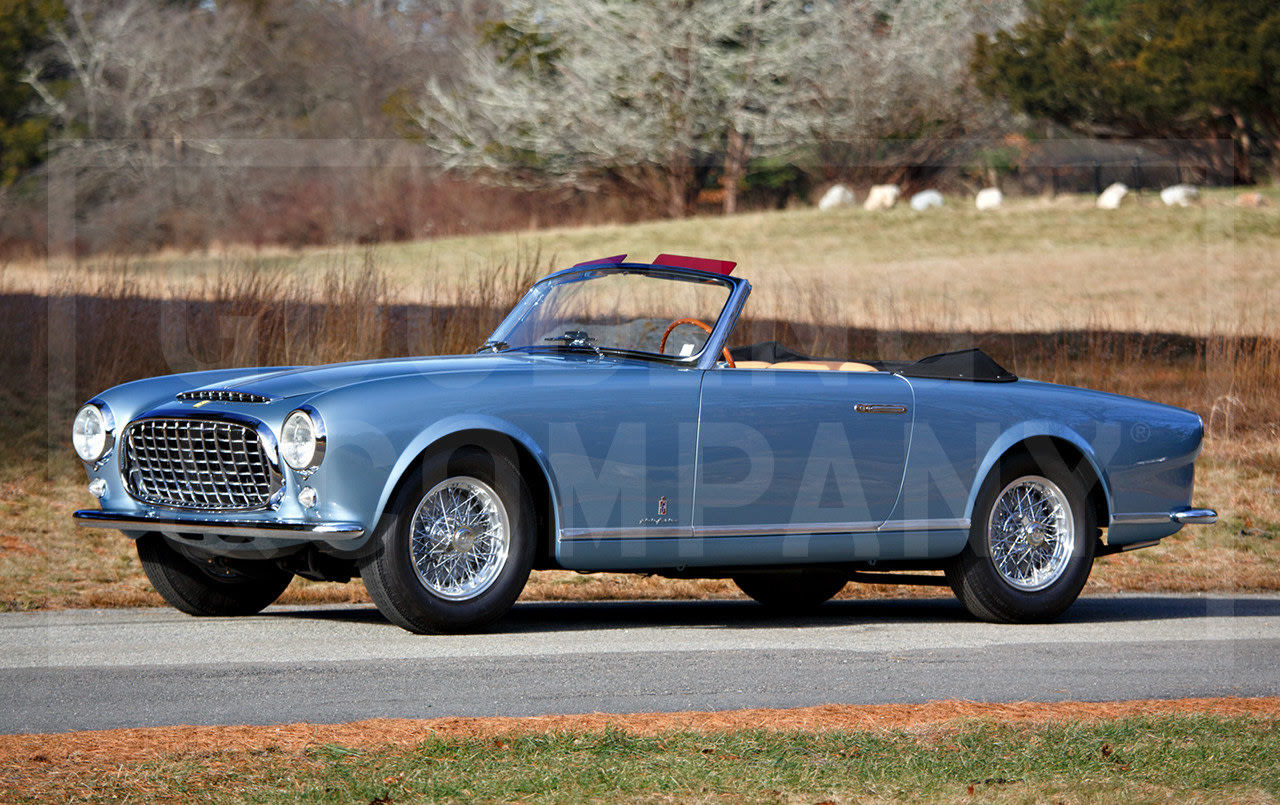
{"x": 24, "y": 31}
{"x": 1145, "y": 68}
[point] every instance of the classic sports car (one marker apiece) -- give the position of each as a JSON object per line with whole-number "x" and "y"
{"x": 607, "y": 425}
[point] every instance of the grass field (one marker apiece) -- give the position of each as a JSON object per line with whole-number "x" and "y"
{"x": 1161, "y": 755}
{"x": 1177, "y": 305}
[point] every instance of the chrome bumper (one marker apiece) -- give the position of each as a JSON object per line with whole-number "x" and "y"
{"x": 281, "y": 529}
{"x": 1196, "y": 517}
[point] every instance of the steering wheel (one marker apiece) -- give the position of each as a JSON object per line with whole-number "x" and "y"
{"x": 662, "y": 346}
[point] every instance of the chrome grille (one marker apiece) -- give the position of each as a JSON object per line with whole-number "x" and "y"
{"x": 197, "y": 464}
{"x": 224, "y": 395}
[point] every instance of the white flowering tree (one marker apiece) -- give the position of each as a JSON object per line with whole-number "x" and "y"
{"x": 573, "y": 90}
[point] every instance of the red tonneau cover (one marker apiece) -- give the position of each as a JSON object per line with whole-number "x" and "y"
{"x": 674, "y": 260}
{"x": 696, "y": 263}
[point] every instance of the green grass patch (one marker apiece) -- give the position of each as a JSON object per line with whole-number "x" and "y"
{"x": 1155, "y": 759}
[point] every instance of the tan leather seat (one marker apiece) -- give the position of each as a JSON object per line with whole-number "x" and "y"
{"x": 826, "y": 366}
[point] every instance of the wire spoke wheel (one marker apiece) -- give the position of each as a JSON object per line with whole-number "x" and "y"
{"x": 1031, "y": 533}
{"x": 459, "y": 538}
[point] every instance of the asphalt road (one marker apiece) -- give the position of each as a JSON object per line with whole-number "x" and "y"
{"x": 74, "y": 670}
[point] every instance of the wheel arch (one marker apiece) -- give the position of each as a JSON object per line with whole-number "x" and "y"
{"x": 494, "y": 441}
{"x": 1075, "y": 453}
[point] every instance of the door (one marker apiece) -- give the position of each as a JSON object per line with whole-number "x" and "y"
{"x": 792, "y": 462}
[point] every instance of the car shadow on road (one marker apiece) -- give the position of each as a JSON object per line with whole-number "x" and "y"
{"x": 566, "y": 616}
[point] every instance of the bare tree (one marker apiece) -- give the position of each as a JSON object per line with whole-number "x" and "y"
{"x": 572, "y": 90}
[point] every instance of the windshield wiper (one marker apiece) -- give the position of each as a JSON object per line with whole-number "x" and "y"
{"x": 494, "y": 346}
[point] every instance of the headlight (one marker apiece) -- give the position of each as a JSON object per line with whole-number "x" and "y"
{"x": 91, "y": 433}
{"x": 302, "y": 440}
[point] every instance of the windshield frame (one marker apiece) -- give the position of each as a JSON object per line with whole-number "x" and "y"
{"x": 739, "y": 290}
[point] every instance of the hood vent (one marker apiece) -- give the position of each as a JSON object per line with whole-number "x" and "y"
{"x": 223, "y": 395}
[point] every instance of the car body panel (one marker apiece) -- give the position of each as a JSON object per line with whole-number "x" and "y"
{"x": 666, "y": 462}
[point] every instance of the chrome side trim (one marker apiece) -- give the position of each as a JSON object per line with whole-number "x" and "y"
{"x": 281, "y": 529}
{"x": 774, "y": 530}
{"x": 677, "y": 532}
{"x": 1145, "y": 518}
{"x": 784, "y": 529}
{"x": 1196, "y": 517}
{"x": 955, "y": 524}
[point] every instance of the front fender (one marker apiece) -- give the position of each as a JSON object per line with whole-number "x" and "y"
{"x": 441, "y": 431}
{"x": 1033, "y": 429}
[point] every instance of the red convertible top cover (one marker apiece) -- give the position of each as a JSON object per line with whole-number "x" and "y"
{"x": 711, "y": 266}
{"x": 697, "y": 263}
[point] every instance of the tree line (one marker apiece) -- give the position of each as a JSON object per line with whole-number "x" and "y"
{"x": 186, "y": 121}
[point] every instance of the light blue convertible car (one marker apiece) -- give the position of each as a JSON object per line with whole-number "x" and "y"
{"x": 610, "y": 425}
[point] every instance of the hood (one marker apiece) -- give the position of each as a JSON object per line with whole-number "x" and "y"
{"x": 310, "y": 380}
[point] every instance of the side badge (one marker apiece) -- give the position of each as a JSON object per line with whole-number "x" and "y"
{"x": 662, "y": 506}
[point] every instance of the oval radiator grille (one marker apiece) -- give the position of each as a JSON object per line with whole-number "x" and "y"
{"x": 197, "y": 464}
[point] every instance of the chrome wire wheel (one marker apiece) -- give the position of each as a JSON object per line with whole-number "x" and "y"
{"x": 459, "y": 538}
{"x": 1031, "y": 533}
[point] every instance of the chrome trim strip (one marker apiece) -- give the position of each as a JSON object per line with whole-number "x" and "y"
{"x": 784, "y": 529}
{"x": 774, "y": 530}
{"x": 955, "y": 524}
{"x": 283, "y": 529}
{"x": 677, "y": 532}
{"x": 1148, "y": 518}
{"x": 1196, "y": 517}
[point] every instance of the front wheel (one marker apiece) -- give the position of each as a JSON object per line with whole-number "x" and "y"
{"x": 1031, "y": 543}
{"x": 212, "y": 587}
{"x": 455, "y": 550}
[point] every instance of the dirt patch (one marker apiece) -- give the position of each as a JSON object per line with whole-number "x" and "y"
{"x": 43, "y": 752}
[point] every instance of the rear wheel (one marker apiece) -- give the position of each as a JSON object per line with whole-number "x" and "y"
{"x": 456, "y": 547}
{"x": 797, "y": 591}
{"x": 215, "y": 586}
{"x": 1031, "y": 543}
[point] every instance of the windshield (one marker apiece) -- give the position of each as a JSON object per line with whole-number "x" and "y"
{"x": 616, "y": 310}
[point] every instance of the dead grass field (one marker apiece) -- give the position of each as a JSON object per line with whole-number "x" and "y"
{"x": 1035, "y": 265}
{"x": 1009, "y": 282}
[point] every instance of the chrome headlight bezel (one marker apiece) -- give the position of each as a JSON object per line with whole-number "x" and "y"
{"x": 302, "y": 440}
{"x": 93, "y": 432}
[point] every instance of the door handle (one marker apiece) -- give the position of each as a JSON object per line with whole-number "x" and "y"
{"x": 880, "y": 408}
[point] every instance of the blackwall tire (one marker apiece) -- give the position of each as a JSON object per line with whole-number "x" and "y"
{"x": 1031, "y": 542}
{"x": 218, "y": 587}
{"x": 455, "y": 549}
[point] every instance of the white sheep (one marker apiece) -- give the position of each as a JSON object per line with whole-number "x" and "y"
{"x": 927, "y": 199}
{"x": 1112, "y": 196}
{"x": 989, "y": 198}
{"x": 1180, "y": 195}
{"x": 882, "y": 197}
{"x": 837, "y": 196}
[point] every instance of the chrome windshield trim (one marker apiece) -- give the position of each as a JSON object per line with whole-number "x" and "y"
{"x": 282, "y": 529}
{"x": 714, "y": 347}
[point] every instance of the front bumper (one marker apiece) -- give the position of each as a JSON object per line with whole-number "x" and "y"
{"x": 239, "y": 527}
